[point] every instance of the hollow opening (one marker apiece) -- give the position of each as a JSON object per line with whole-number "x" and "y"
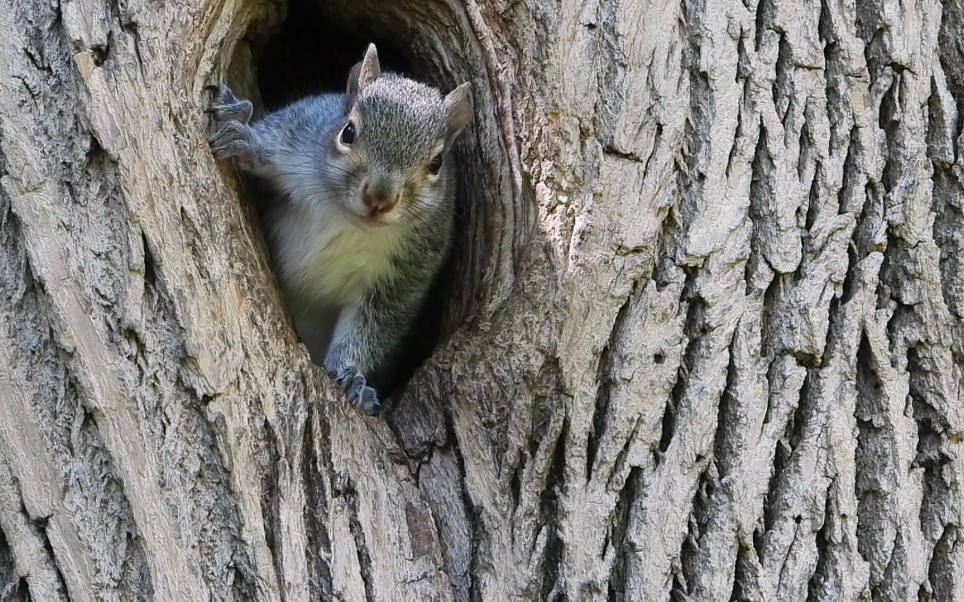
{"x": 313, "y": 52}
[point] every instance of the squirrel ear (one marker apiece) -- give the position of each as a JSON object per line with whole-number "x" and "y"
{"x": 363, "y": 73}
{"x": 458, "y": 102}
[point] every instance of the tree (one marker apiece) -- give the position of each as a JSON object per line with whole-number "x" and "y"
{"x": 703, "y": 332}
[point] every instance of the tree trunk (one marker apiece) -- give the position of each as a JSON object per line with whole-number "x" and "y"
{"x": 704, "y": 332}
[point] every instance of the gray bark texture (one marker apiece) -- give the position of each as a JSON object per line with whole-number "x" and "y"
{"x": 705, "y": 337}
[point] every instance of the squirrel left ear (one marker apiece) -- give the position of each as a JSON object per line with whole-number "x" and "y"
{"x": 458, "y": 102}
{"x": 363, "y": 73}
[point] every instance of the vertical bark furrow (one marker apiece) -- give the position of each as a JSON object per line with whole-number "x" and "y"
{"x": 449, "y": 513}
{"x": 550, "y": 560}
{"x": 345, "y": 496}
{"x": 33, "y": 555}
{"x": 271, "y": 490}
{"x": 827, "y": 579}
{"x": 875, "y": 468}
{"x": 932, "y": 455}
{"x": 317, "y": 505}
{"x": 604, "y": 370}
{"x": 688, "y": 580}
{"x": 741, "y": 411}
{"x": 13, "y": 587}
{"x": 689, "y": 345}
{"x": 944, "y": 577}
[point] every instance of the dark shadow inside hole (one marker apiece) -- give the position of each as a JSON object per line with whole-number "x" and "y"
{"x": 311, "y": 54}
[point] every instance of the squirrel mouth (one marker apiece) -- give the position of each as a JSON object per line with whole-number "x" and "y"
{"x": 372, "y": 222}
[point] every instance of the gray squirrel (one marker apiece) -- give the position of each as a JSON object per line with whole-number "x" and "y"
{"x": 359, "y": 213}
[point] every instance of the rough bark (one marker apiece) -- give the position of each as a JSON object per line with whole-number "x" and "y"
{"x": 705, "y": 326}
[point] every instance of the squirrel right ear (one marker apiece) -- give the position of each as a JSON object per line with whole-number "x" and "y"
{"x": 458, "y": 102}
{"x": 363, "y": 73}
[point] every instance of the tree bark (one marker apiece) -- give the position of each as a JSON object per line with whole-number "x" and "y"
{"x": 705, "y": 333}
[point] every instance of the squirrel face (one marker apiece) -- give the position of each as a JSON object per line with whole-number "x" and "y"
{"x": 395, "y": 141}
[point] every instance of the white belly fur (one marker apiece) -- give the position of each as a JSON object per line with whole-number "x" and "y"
{"x": 326, "y": 262}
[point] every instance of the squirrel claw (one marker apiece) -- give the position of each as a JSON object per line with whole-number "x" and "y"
{"x": 369, "y": 402}
{"x": 230, "y": 136}
{"x": 344, "y": 377}
{"x": 356, "y": 389}
{"x": 239, "y": 110}
{"x": 233, "y": 138}
{"x": 226, "y": 106}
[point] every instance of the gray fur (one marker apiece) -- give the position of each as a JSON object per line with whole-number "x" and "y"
{"x": 352, "y": 291}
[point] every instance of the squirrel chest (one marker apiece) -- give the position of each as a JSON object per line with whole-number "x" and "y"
{"x": 330, "y": 261}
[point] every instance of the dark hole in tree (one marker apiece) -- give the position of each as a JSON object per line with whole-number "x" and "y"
{"x": 311, "y": 54}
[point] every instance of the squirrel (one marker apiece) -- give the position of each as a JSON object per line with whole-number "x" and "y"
{"x": 359, "y": 210}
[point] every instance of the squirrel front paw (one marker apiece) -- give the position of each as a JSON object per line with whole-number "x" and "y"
{"x": 356, "y": 389}
{"x": 231, "y": 136}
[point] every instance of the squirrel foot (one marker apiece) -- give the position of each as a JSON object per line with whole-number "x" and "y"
{"x": 225, "y": 105}
{"x": 230, "y": 134}
{"x": 357, "y": 391}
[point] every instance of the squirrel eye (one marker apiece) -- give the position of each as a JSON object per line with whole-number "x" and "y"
{"x": 348, "y": 133}
{"x": 435, "y": 165}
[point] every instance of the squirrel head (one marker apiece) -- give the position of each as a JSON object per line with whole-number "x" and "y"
{"x": 396, "y": 138}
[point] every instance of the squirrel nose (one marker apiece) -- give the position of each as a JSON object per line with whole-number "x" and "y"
{"x": 379, "y": 199}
